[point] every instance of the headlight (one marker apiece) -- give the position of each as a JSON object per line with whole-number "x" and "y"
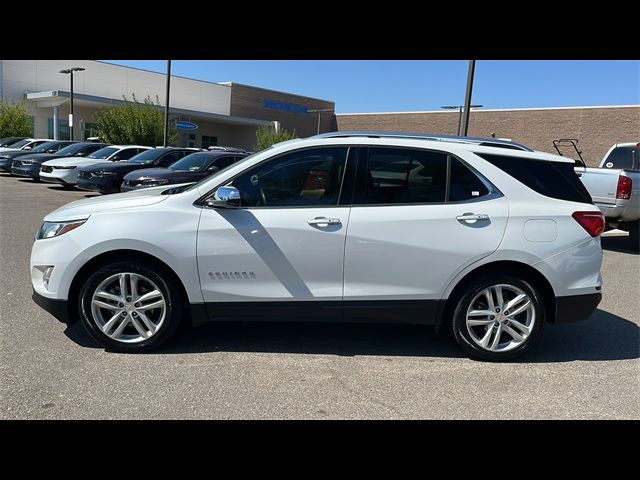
{"x": 55, "y": 229}
{"x": 27, "y": 162}
{"x": 153, "y": 181}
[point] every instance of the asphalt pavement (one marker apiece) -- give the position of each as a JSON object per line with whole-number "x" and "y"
{"x": 582, "y": 370}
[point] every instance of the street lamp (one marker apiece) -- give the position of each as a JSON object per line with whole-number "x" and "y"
{"x": 70, "y": 71}
{"x": 459, "y": 107}
{"x": 319, "y": 112}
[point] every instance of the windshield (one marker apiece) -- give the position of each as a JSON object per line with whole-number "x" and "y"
{"x": 103, "y": 152}
{"x": 206, "y": 179}
{"x": 21, "y": 143}
{"x": 71, "y": 150}
{"x": 44, "y": 147}
{"x": 148, "y": 156}
{"x": 194, "y": 162}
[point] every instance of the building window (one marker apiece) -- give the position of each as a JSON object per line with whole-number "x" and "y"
{"x": 208, "y": 141}
{"x": 63, "y": 128}
{"x": 90, "y": 130}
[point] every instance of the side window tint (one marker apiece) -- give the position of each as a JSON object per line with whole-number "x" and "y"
{"x": 401, "y": 176}
{"x": 127, "y": 154}
{"x": 298, "y": 179}
{"x": 464, "y": 184}
{"x": 170, "y": 158}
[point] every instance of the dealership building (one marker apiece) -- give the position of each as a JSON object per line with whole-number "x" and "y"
{"x": 204, "y": 113}
{"x": 228, "y": 113}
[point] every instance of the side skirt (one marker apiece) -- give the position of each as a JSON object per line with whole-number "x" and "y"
{"x": 424, "y": 312}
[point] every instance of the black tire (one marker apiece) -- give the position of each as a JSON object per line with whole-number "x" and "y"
{"x": 174, "y": 305}
{"x": 461, "y": 304}
{"x": 634, "y": 235}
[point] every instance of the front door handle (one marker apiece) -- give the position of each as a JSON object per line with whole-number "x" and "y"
{"x": 323, "y": 221}
{"x": 472, "y": 217}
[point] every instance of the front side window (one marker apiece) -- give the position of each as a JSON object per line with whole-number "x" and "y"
{"x": 304, "y": 178}
{"x": 171, "y": 157}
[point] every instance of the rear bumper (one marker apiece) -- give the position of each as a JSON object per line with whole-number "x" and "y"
{"x": 58, "y": 308}
{"x": 576, "y": 307}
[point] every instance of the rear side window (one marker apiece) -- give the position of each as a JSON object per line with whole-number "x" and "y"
{"x": 464, "y": 184}
{"x": 552, "y": 179}
{"x": 402, "y": 176}
{"x": 623, "y": 157}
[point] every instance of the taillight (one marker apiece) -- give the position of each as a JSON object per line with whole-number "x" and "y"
{"x": 624, "y": 187}
{"x": 592, "y": 222}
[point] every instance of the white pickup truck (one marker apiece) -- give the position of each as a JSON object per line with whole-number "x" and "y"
{"x": 615, "y": 188}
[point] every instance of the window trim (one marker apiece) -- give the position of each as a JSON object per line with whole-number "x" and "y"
{"x": 494, "y": 192}
{"x": 201, "y": 202}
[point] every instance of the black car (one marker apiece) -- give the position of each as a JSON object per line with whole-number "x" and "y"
{"x": 28, "y": 164}
{"x": 190, "y": 169}
{"x": 106, "y": 177}
{"x": 21, "y": 147}
{"x": 9, "y": 141}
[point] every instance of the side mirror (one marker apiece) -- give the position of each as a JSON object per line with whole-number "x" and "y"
{"x": 213, "y": 168}
{"x": 225, "y": 197}
{"x": 27, "y": 148}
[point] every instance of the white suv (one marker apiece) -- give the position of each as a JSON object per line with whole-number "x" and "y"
{"x": 484, "y": 238}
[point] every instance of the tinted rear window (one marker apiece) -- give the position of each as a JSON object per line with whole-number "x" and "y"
{"x": 623, "y": 157}
{"x": 551, "y": 179}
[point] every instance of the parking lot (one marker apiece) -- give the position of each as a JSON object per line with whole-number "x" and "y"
{"x": 583, "y": 370}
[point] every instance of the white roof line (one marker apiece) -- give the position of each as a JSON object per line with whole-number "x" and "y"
{"x": 492, "y": 110}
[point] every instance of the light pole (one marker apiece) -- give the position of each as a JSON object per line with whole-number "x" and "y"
{"x": 70, "y": 71}
{"x": 166, "y": 104}
{"x": 320, "y": 112}
{"x": 459, "y": 108}
{"x": 467, "y": 97}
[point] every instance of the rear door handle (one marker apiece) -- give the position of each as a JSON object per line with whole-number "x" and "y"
{"x": 320, "y": 221}
{"x": 472, "y": 217}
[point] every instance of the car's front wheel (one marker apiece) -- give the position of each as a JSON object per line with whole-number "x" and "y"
{"x": 130, "y": 306}
{"x": 498, "y": 317}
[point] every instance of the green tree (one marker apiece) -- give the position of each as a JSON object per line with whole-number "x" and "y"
{"x": 15, "y": 120}
{"x": 266, "y": 136}
{"x": 134, "y": 122}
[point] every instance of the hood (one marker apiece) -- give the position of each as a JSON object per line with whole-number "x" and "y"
{"x": 8, "y": 149}
{"x": 163, "y": 173}
{"x": 73, "y": 162}
{"x": 113, "y": 166}
{"x": 15, "y": 153}
{"x": 38, "y": 157}
{"x": 81, "y": 209}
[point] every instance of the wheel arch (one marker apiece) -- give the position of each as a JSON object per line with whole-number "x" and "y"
{"x": 116, "y": 255}
{"x": 516, "y": 268}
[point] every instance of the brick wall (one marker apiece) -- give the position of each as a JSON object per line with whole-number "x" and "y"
{"x": 248, "y": 101}
{"x": 597, "y": 129}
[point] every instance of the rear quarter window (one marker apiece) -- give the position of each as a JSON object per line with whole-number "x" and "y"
{"x": 552, "y": 179}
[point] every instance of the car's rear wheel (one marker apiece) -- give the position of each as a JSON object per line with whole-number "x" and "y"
{"x": 498, "y": 317}
{"x": 130, "y": 307}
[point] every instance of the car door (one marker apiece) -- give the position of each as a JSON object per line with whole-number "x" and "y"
{"x": 283, "y": 248}
{"x": 418, "y": 217}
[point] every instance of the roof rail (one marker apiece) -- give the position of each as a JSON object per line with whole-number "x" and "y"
{"x": 489, "y": 142}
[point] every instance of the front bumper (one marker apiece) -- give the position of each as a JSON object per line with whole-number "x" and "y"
{"x": 58, "y": 308}
{"x": 99, "y": 184}
{"x": 32, "y": 171}
{"x": 5, "y": 165}
{"x": 576, "y": 307}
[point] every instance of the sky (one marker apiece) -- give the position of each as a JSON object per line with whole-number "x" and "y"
{"x": 405, "y": 85}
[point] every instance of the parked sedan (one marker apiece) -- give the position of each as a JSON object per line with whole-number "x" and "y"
{"x": 106, "y": 177}
{"x": 65, "y": 170}
{"x": 7, "y": 154}
{"x": 191, "y": 168}
{"x": 32, "y": 163}
{"x": 27, "y": 163}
